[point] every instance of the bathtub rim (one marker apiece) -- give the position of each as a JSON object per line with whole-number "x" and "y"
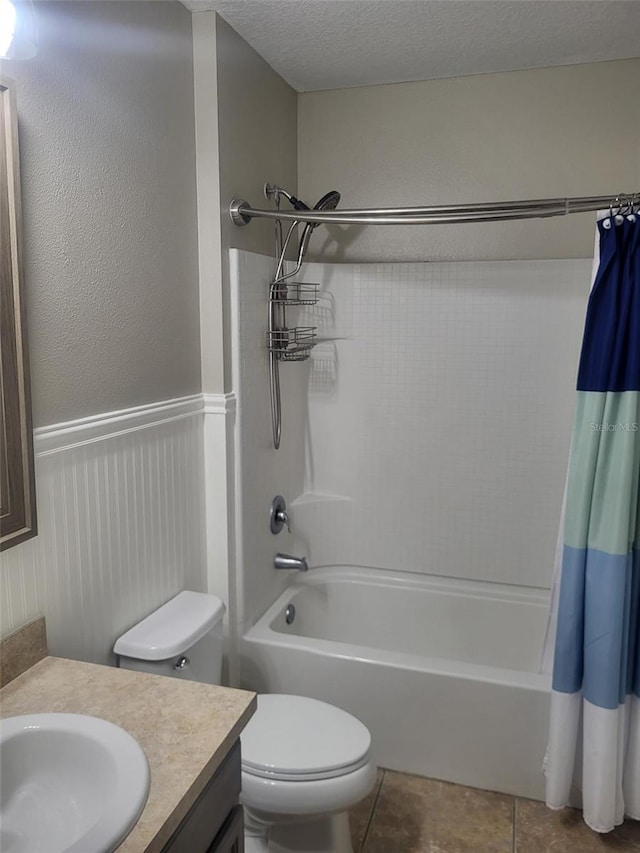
{"x": 383, "y": 577}
{"x": 262, "y": 632}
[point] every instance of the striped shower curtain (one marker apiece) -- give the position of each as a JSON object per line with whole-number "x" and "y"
{"x": 594, "y": 733}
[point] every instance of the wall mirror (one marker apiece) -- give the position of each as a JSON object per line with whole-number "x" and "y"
{"x": 17, "y": 478}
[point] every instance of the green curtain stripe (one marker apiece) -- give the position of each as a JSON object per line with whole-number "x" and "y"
{"x": 604, "y": 473}
{"x": 637, "y": 536}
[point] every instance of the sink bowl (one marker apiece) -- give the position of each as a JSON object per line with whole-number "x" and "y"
{"x": 68, "y": 784}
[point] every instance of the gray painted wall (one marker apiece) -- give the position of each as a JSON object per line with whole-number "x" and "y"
{"x": 258, "y": 142}
{"x": 552, "y": 132}
{"x": 246, "y": 134}
{"x": 258, "y": 133}
{"x": 108, "y": 174}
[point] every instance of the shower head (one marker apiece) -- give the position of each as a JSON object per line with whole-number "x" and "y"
{"x": 328, "y": 202}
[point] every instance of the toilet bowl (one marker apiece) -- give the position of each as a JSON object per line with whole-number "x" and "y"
{"x": 304, "y": 762}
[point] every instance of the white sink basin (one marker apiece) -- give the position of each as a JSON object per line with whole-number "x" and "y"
{"x": 69, "y": 784}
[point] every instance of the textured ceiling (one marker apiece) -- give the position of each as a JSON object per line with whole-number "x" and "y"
{"x": 328, "y": 44}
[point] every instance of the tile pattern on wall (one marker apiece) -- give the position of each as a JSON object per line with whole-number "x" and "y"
{"x": 440, "y": 412}
{"x": 120, "y": 530}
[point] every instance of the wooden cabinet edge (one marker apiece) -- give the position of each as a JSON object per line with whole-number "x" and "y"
{"x": 206, "y": 827}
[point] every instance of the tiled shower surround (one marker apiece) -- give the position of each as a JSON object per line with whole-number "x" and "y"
{"x": 435, "y": 412}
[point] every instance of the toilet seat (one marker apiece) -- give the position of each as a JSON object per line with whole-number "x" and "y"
{"x": 298, "y": 739}
{"x": 276, "y": 801}
{"x": 280, "y": 776}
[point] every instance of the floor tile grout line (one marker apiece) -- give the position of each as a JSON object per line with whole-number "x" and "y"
{"x": 373, "y": 809}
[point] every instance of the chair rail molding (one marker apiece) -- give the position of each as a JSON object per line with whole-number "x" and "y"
{"x": 64, "y": 436}
{"x": 219, "y": 404}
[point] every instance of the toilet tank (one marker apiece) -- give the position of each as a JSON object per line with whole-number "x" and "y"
{"x": 181, "y": 639}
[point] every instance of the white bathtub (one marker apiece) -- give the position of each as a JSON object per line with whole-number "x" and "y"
{"x": 443, "y": 672}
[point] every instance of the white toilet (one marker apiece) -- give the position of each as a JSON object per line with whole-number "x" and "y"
{"x": 304, "y": 762}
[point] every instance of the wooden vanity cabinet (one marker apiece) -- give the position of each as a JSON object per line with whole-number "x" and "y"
{"x": 214, "y": 823}
{"x": 230, "y": 839}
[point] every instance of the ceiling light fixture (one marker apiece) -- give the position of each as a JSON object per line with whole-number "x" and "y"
{"x": 18, "y": 29}
{"x": 7, "y": 27}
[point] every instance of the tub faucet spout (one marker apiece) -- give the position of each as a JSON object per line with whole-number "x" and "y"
{"x": 286, "y": 561}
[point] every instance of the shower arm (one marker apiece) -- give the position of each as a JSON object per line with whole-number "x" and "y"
{"x": 242, "y": 213}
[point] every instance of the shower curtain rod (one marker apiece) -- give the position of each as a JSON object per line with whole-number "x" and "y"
{"x": 242, "y": 213}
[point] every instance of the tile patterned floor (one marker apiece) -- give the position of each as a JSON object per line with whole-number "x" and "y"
{"x": 410, "y": 814}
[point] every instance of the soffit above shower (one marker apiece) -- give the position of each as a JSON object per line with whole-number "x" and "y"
{"x": 332, "y": 44}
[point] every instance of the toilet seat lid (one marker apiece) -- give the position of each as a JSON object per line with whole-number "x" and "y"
{"x": 292, "y": 737}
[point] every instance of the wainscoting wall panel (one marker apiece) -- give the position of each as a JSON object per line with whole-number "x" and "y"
{"x": 121, "y": 526}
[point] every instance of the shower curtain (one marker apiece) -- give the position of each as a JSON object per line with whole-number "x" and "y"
{"x": 594, "y": 731}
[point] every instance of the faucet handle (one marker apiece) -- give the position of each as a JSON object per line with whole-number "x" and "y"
{"x": 278, "y": 516}
{"x": 283, "y": 518}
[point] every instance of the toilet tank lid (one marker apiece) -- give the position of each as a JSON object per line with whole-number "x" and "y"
{"x": 173, "y": 628}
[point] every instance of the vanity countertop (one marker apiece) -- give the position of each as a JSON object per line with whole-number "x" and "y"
{"x": 185, "y": 728}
